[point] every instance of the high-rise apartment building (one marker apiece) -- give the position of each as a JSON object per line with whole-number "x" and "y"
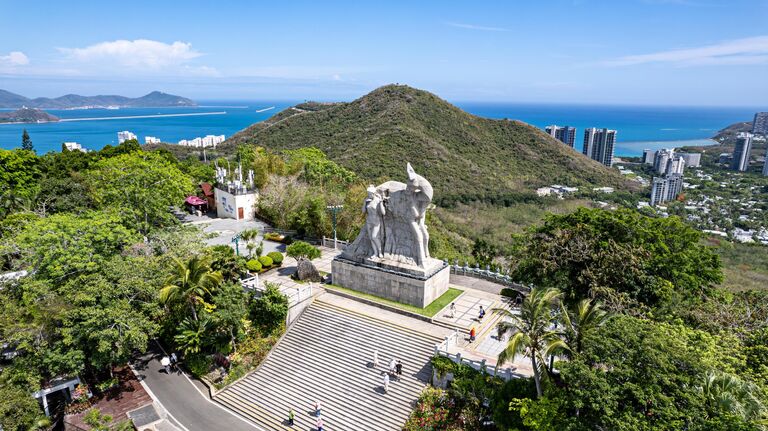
{"x": 760, "y": 123}
{"x": 741, "y": 152}
{"x": 565, "y": 134}
{"x": 676, "y": 165}
{"x": 666, "y": 188}
{"x": 692, "y": 160}
{"x": 648, "y": 156}
{"x": 661, "y": 160}
{"x": 599, "y": 145}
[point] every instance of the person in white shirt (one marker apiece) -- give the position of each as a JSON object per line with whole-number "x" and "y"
{"x": 386, "y": 383}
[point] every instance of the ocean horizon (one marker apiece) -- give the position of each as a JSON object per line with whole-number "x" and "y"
{"x": 638, "y": 127}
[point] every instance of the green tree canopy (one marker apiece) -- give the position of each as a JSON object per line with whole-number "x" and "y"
{"x": 65, "y": 245}
{"x": 269, "y": 309}
{"x": 19, "y": 172}
{"x": 18, "y": 410}
{"x": 141, "y": 187}
{"x": 620, "y": 257}
{"x": 299, "y": 249}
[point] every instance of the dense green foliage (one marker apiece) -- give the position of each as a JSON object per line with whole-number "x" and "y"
{"x": 467, "y": 158}
{"x": 620, "y": 257}
{"x": 140, "y": 187}
{"x": 96, "y": 237}
{"x": 269, "y": 309}
{"x": 18, "y": 411}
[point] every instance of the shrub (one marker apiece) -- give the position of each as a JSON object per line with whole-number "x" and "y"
{"x": 442, "y": 365}
{"x": 253, "y": 265}
{"x": 269, "y": 310}
{"x": 276, "y": 256}
{"x": 303, "y": 249}
{"x": 265, "y": 261}
{"x": 198, "y": 365}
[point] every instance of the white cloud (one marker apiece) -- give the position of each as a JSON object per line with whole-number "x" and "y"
{"x": 14, "y": 58}
{"x": 139, "y": 53}
{"x": 475, "y": 27}
{"x": 751, "y": 50}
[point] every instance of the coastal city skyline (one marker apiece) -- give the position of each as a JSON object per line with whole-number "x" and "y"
{"x": 338, "y": 51}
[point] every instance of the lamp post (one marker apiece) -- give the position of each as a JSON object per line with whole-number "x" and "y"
{"x": 236, "y": 240}
{"x": 334, "y": 209}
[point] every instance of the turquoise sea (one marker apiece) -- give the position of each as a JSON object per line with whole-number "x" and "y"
{"x": 638, "y": 127}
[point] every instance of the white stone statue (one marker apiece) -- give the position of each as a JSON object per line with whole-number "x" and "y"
{"x": 374, "y": 211}
{"x": 420, "y": 191}
{"x": 395, "y": 232}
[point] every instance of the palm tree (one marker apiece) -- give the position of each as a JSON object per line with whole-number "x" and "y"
{"x": 729, "y": 394}
{"x": 250, "y": 236}
{"x": 194, "y": 335}
{"x": 586, "y": 316}
{"x": 534, "y": 335}
{"x": 191, "y": 282}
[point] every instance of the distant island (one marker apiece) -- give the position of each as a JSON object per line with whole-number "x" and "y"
{"x": 155, "y": 99}
{"x": 27, "y": 115}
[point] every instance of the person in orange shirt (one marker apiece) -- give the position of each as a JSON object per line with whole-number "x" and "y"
{"x": 472, "y": 334}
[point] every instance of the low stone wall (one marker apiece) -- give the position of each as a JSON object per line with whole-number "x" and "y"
{"x": 389, "y": 284}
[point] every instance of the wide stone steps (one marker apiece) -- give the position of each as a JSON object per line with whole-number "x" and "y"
{"x": 326, "y": 355}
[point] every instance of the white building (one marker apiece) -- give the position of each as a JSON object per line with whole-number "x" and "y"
{"x": 125, "y": 136}
{"x": 234, "y": 197}
{"x": 692, "y": 160}
{"x": 661, "y": 160}
{"x": 676, "y": 165}
{"x": 565, "y": 134}
{"x": 151, "y": 140}
{"x": 599, "y": 145}
{"x": 666, "y": 188}
{"x": 648, "y": 156}
{"x": 741, "y": 152}
{"x": 74, "y": 146}
{"x": 205, "y": 142}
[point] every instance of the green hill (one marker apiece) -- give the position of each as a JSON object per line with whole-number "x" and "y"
{"x": 467, "y": 158}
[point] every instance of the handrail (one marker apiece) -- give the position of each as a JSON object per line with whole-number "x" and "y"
{"x": 453, "y": 340}
{"x": 503, "y": 278}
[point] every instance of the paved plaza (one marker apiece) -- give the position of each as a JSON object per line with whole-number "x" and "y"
{"x": 468, "y": 310}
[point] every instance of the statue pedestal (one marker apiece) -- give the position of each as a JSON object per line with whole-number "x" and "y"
{"x": 397, "y": 281}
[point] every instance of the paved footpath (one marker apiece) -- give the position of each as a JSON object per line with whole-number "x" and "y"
{"x": 184, "y": 401}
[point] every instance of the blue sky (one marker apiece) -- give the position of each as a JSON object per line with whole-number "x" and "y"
{"x": 662, "y": 52}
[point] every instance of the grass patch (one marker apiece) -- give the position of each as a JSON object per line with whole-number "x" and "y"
{"x": 745, "y": 266}
{"x": 428, "y": 311}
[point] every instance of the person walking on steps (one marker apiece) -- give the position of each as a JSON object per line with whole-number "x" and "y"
{"x": 472, "y": 334}
{"x": 291, "y": 416}
{"x": 452, "y": 310}
{"x": 318, "y": 408}
{"x": 386, "y": 383}
{"x": 375, "y": 358}
{"x": 392, "y": 364}
{"x": 481, "y": 315}
{"x": 399, "y": 369}
{"x": 319, "y": 424}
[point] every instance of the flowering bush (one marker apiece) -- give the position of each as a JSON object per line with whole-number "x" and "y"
{"x": 434, "y": 412}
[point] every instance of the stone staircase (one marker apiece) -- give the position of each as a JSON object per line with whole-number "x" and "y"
{"x": 326, "y": 355}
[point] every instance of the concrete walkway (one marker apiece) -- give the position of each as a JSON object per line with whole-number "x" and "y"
{"x": 188, "y": 407}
